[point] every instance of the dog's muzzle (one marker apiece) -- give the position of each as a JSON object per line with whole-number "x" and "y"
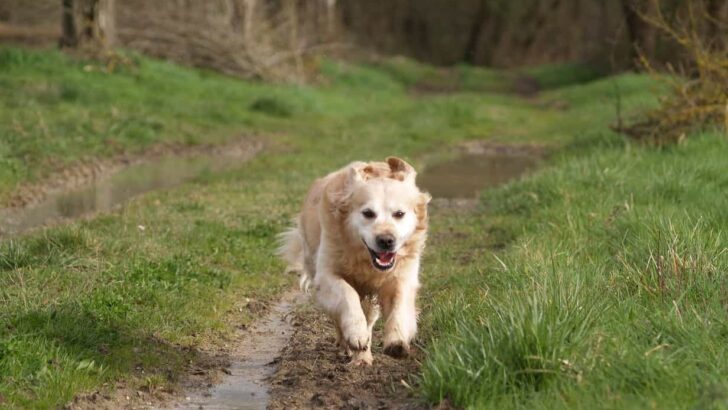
{"x": 382, "y": 261}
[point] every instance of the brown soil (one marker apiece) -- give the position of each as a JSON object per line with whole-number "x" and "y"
{"x": 313, "y": 373}
{"x": 88, "y": 170}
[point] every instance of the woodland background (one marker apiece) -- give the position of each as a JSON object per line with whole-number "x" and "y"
{"x": 272, "y": 39}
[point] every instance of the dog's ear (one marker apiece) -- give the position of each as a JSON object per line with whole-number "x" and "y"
{"x": 425, "y": 197}
{"x": 421, "y": 210}
{"x": 357, "y": 172}
{"x": 339, "y": 191}
{"x": 400, "y": 168}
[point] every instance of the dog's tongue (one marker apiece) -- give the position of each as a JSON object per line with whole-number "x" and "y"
{"x": 385, "y": 257}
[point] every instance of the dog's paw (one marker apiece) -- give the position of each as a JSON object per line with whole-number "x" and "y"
{"x": 358, "y": 343}
{"x": 357, "y": 337}
{"x": 397, "y": 349}
{"x": 344, "y": 346}
{"x": 363, "y": 358}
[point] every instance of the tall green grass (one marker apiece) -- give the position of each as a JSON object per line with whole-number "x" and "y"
{"x": 612, "y": 295}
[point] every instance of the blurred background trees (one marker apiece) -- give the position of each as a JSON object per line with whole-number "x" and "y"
{"x": 274, "y": 39}
{"x": 249, "y": 38}
{"x": 270, "y": 38}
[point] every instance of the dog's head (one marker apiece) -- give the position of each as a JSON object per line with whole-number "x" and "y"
{"x": 385, "y": 208}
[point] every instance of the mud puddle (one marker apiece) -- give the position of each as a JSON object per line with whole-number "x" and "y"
{"x": 112, "y": 189}
{"x": 253, "y": 361}
{"x": 479, "y": 166}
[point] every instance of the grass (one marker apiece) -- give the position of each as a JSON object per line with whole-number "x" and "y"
{"x": 611, "y": 294}
{"x": 105, "y": 300}
{"x": 464, "y": 78}
{"x": 560, "y": 292}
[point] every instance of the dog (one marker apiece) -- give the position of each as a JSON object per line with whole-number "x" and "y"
{"x": 357, "y": 242}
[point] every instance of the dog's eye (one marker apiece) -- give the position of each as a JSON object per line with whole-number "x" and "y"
{"x": 368, "y": 213}
{"x": 398, "y": 214}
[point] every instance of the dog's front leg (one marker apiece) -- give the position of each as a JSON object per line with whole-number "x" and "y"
{"x": 342, "y": 303}
{"x": 398, "y": 303}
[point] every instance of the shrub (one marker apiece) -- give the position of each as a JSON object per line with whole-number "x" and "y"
{"x": 699, "y": 97}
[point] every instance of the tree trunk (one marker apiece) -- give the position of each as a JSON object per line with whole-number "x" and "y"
{"x": 88, "y": 22}
{"x": 248, "y": 22}
{"x": 106, "y": 19}
{"x": 638, "y": 32}
{"x": 330, "y": 18}
{"x": 69, "y": 37}
{"x": 476, "y": 28}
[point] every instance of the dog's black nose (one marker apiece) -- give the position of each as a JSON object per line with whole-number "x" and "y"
{"x": 385, "y": 242}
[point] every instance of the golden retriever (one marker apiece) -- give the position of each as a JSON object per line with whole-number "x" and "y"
{"x": 357, "y": 242}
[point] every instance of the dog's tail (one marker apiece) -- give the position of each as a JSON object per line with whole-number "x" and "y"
{"x": 290, "y": 249}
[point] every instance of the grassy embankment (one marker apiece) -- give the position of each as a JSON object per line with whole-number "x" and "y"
{"x": 98, "y": 301}
{"x": 612, "y": 291}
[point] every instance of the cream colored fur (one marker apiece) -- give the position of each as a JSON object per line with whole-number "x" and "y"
{"x": 329, "y": 242}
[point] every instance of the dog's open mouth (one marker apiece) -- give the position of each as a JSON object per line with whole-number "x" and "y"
{"x": 383, "y": 261}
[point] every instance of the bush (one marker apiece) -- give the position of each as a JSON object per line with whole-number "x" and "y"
{"x": 699, "y": 97}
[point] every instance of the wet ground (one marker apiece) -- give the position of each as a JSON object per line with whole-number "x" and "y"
{"x": 479, "y": 166}
{"x": 111, "y": 189}
{"x": 253, "y": 362}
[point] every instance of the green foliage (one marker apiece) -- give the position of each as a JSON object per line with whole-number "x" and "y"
{"x": 464, "y": 77}
{"x": 609, "y": 292}
{"x": 526, "y": 340}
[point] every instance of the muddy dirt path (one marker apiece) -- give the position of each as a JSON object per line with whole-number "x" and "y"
{"x": 252, "y": 361}
{"x": 289, "y": 360}
{"x": 313, "y": 374}
{"x": 295, "y": 361}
